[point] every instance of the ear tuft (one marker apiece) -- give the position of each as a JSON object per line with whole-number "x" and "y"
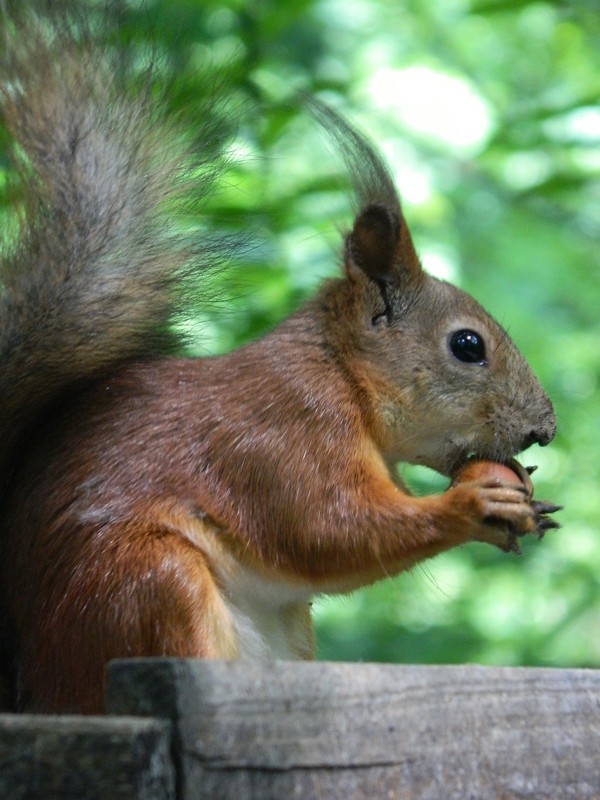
{"x": 372, "y": 244}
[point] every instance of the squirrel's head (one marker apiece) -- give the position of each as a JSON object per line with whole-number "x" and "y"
{"x": 440, "y": 378}
{"x": 443, "y": 379}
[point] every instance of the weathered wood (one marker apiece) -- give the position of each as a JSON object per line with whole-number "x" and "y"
{"x": 282, "y": 730}
{"x": 77, "y": 758}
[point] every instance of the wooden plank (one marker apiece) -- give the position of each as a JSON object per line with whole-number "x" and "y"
{"x": 315, "y": 730}
{"x": 68, "y": 758}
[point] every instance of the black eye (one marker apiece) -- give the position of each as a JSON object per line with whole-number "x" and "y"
{"x": 467, "y": 346}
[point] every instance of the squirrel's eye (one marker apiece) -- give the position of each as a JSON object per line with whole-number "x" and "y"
{"x": 467, "y": 346}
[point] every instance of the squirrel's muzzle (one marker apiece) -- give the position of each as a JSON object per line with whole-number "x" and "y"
{"x": 541, "y": 434}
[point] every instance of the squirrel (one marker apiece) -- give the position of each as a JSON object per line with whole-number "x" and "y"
{"x": 159, "y": 505}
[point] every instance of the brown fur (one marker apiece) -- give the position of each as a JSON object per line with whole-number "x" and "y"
{"x": 192, "y": 507}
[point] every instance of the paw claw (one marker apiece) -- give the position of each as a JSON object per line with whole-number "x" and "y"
{"x": 547, "y": 524}
{"x": 542, "y": 507}
{"x": 503, "y": 512}
{"x": 514, "y": 547}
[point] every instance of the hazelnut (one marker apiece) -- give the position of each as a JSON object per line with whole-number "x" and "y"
{"x": 476, "y": 469}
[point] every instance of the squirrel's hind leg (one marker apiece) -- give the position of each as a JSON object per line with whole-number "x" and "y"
{"x": 146, "y": 592}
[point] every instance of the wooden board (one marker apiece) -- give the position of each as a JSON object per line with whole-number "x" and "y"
{"x": 78, "y": 758}
{"x": 365, "y": 731}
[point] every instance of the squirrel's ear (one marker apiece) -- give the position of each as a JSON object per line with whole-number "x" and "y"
{"x": 381, "y": 246}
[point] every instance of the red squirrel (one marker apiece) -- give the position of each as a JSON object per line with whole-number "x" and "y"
{"x": 155, "y": 505}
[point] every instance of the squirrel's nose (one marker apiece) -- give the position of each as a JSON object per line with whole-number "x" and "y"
{"x": 542, "y": 435}
{"x": 545, "y": 437}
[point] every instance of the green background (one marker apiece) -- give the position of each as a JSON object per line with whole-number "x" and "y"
{"x": 488, "y": 115}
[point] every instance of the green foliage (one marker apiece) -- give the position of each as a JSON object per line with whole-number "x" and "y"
{"x": 488, "y": 113}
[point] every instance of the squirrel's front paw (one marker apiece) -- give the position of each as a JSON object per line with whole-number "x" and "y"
{"x": 500, "y": 505}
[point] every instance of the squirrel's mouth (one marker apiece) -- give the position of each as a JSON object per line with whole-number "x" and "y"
{"x": 459, "y": 458}
{"x": 456, "y": 459}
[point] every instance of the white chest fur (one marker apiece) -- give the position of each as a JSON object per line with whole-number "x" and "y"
{"x": 262, "y": 616}
{"x": 271, "y": 617}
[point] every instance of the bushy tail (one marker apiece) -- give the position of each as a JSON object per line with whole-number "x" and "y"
{"x": 88, "y": 278}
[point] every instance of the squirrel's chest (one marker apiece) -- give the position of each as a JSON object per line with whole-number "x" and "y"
{"x": 271, "y": 618}
{"x": 256, "y": 614}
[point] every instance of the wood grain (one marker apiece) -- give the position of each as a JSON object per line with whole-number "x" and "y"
{"x": 314, "y": 730}
{"x": 76, "y": 758}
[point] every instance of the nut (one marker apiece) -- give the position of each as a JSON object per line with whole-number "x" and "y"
{"x": 478, "y": 469}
